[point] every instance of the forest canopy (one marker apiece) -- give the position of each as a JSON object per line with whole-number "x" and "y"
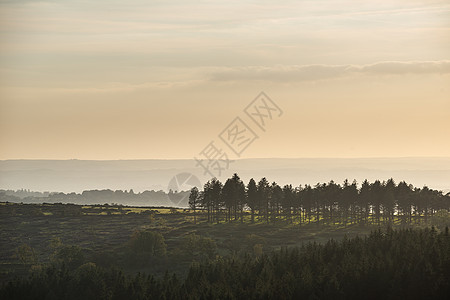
{"x": 403, "y": 264}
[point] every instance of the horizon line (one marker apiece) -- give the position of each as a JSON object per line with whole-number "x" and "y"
{"x": 247, "y": 158}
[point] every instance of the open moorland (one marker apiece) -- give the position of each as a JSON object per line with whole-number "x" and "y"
{"x": 35, "y": 235}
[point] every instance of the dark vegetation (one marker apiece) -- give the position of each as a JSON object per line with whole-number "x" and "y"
{"x": 237, "y": 241}
{"x": 404, "y": 264}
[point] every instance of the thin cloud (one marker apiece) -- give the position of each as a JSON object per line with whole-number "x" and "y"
{"x": 299, "y": 73}
{"x": 411, "y": 67}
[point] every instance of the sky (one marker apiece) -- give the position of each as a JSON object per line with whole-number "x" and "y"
{"x": 138, "y": 79}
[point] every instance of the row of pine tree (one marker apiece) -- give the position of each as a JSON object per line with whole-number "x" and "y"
{"x": 375, "y": 203}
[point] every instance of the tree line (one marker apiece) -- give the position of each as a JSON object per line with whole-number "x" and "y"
{"x": 379, "y": 202}
{"x": 92, "y": 197}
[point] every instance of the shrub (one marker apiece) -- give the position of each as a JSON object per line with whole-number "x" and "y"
{"x": 72, "y": 256}
{"x": 200, "y": 247}
{"x": 148, "y": 242}
{"x": 25, "y": 254}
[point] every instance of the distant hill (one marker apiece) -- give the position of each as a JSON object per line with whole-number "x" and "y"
{"x": 140, "y": 175}
{"x": 100, "y": 197}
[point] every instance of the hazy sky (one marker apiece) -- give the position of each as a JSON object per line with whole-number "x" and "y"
{"x": 104, "y": 79}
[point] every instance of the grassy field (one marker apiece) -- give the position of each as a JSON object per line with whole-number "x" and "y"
{"x": 103, "y": 233}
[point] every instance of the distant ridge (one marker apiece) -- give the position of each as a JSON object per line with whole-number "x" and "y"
{"x": 155, "y": 174}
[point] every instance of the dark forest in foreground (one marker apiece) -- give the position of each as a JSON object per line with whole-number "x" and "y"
{"x": 404, "y": 264}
